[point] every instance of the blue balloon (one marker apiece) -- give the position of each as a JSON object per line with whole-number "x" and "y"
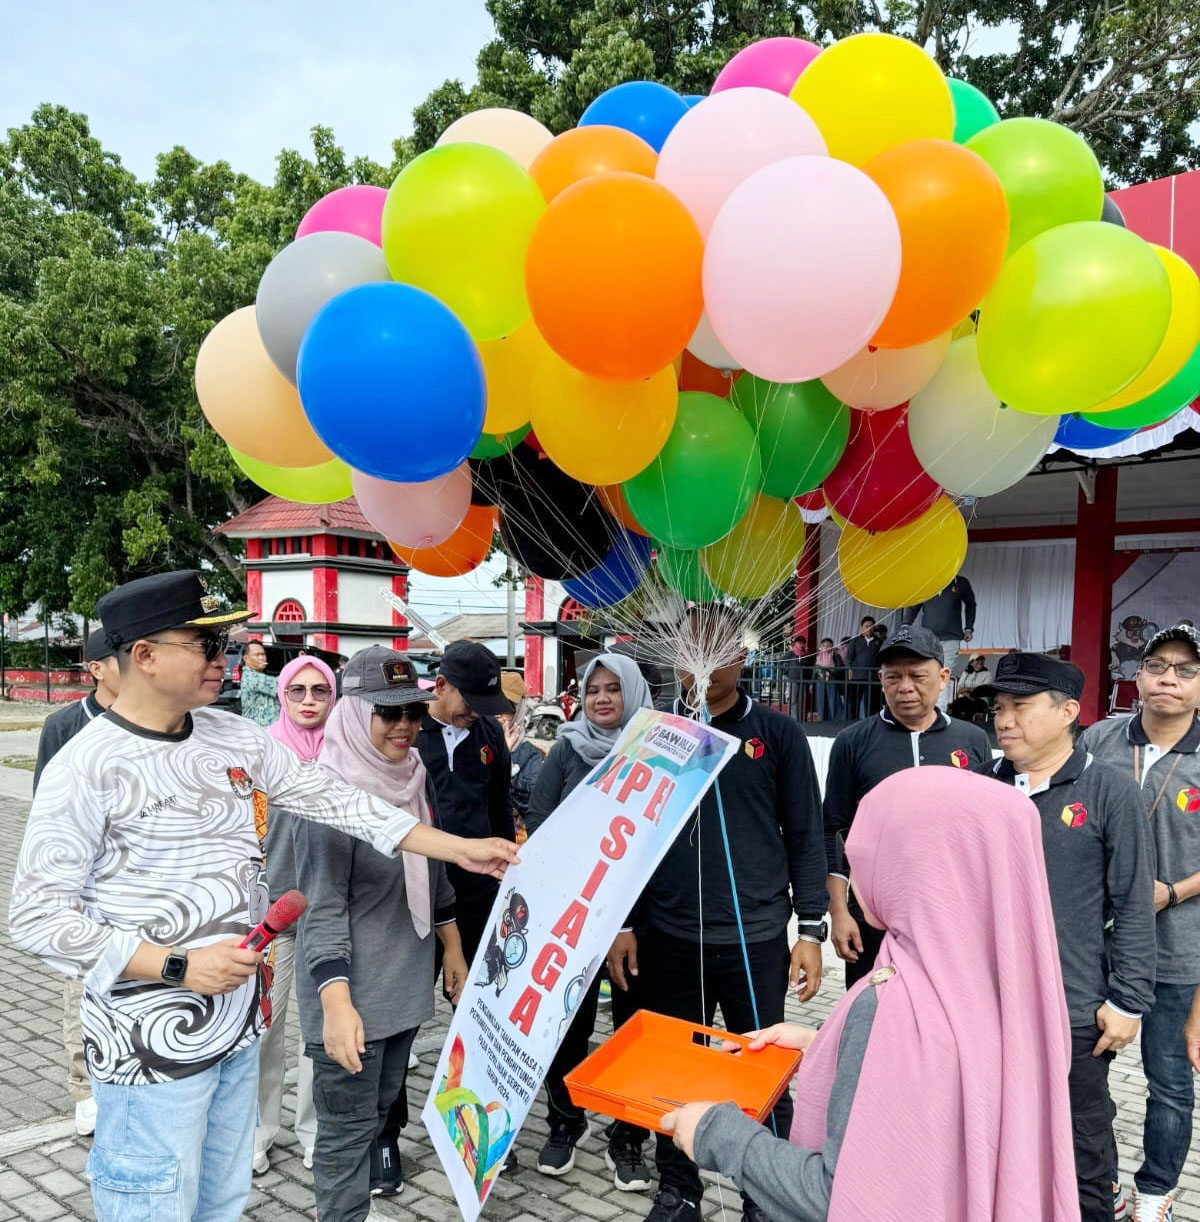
{"x": 690, "y": 99}
{"x": 392, "y": 382}
{"x": 1075, "y": 433}
{"x": 645, "y": 108}
{"x": 616, "y": 576}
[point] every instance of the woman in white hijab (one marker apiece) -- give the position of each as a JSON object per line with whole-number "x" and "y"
{"x": 613, "y": 690}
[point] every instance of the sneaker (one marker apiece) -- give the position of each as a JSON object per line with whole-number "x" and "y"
{"x": 262, "y": 1162}
{"x": 557, "y": 1156}
{"x": 1120, "y": 1203}
{"x": 85, "y": 1117}
{"x": 387, "y": 1175}
{"x": 630, "y": 1173}
{"x": 605, "y": 997}
{"x": 669, "y": 1206}
{"x": 1149, "y": 1208}
{"x": 308, "y": 1158}
{"x": 752, "y": 1212}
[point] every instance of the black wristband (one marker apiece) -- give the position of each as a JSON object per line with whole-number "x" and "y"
{"x": 1172, "y": 898}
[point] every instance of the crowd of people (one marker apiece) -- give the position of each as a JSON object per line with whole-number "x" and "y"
{"x": 1007, "y": 921}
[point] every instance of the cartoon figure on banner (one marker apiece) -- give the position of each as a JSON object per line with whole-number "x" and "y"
{"x": 508, "y": 946}
{"x": 1130, "y": 639}
{"x": 573, "y": 994}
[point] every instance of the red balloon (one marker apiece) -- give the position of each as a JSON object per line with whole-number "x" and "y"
{"x": 878, "y": 483}
{"x": 812, "y": 500}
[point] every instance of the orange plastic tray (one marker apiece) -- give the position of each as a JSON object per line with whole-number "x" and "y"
{"x": 653, "y": 1065}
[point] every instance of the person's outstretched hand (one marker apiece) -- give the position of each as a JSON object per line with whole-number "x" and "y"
{"x": 681, "y": 1124}
{"x": 782, "y": 1035}
{"x": 492, "y": 855}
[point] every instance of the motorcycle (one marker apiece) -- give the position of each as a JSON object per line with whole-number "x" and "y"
{"x": 547, "y": 715}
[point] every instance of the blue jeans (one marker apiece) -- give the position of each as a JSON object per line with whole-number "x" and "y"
{"x": 177, "y": 1151}
{"x": 1168, "y": 1131}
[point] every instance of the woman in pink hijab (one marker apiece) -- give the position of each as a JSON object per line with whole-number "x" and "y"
{"x": 307, "y": 692}
{"x": 938, "y": 1086}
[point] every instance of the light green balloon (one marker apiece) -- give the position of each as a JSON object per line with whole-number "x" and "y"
{"x": 1076, "y": 314}
{"x": 1049, "y": 175}
{"x": 973, "y": 110}
{"x": 320, "y": 485}
{"x": 683, "y": 572}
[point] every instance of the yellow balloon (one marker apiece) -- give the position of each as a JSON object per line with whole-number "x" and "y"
{"x": 519, "y": 135}
{"x": 248, "y": 401}
{"x": 871, "y": 92}
{"x": 833, "y": 513}
{"x": 901, "y": 567}
{"x": 509, "y": 365}
{"x": 760, "y": 552}
{"x": 1183, "y": 334}
{"x": 596, "y": 430}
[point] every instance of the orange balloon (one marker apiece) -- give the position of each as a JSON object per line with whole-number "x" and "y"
{"x": 585, "y": 151}
{"x": 953, "y": 236}
{"x": 613, "y": 276}
{"x": 613, "y": 499}
{"x": 696, "y": 375}
{"x": 465, "y": 550}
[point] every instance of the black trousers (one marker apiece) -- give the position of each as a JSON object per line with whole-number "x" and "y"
{"x": 671, "y": 971}
{"x": 872, "y": 940}
{"x": 351, "y": 1109}
{"x": 1092, "y": 1114}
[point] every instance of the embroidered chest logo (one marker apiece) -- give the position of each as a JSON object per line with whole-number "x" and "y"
{"x": 754, "y": 748}
{"x": 241, "y": 781}
{"x": 1188, "y": 800}
{"x": 959, "y": 759}
{"x": 486, "y": 755}
{"x": 1074, "y": 815}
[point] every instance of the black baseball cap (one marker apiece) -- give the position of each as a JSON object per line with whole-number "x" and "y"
{"x": 1185, "y": 634}
{"x": 475, "y": 671}
{"x": 913, "y": 642}
{"x": 384, "y": 677}
{"x": 1026, "y": 674}
{"x": 167, "y": 600}
{"x": 97, "y": 647}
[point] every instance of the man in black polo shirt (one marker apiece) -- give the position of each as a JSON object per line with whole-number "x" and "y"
{"x": 686, "y": 948}
{"x": 1099, "y": 862}
{"x": 910, "y": 731}
{"x": 1159, "y": 747}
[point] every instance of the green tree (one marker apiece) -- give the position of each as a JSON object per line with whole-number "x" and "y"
{"x": 1124, "y": 73}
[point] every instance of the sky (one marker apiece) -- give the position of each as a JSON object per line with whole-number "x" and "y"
{"x": 241, "y": 81}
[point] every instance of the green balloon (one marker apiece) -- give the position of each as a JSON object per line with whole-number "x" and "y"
{"x": 802, "y": 430}
{"x": 320, "y": 485}
{"x": 973, "y": 110}
{"x": 492, "y": 445}
{"x": 1074, "y": 315}
{"x": 1049, "y": 175}
{"x": 683, "y": 572}
{"x": 1168, "y": 399}
{"x": 703, "y": 480}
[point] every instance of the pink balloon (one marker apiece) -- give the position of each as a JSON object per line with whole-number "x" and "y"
{"x": 356, "y": 209}
{"x": 724, "y": 139}
{"x": 415, "y": 515}
{"x": 800, "y": 267}
{"x": 770, "y": 63}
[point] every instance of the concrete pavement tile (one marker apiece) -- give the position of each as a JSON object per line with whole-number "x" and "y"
{"x": 60, "y": 1183}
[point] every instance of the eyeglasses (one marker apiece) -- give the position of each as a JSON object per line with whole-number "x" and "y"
{"x": 320, "y": 692}
{"x": 212, "y": 646}
{"x": 401, "y": 712}
{"x": 1184, "y": 670}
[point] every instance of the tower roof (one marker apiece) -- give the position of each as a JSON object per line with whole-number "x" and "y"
{"x": 275, "y": 516}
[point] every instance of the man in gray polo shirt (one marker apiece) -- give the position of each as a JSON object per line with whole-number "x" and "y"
{"x": 1160, "y": 748}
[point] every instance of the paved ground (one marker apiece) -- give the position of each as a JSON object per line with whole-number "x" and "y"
{"x": 42, "y": 1161}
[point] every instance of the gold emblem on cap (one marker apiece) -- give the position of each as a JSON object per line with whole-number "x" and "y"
{"x": 209, "y": 603}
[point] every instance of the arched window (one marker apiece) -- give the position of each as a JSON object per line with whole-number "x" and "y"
{"x": 289, "y": 612}
{"x": 571, "y": 610}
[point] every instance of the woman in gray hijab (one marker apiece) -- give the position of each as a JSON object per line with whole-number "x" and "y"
{"x": 613, "y": 690}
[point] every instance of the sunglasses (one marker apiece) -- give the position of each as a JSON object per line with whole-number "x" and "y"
{"x": 320, "y": 692}
{"x": 414, "y": 712}
{"x": 212, "y": 645}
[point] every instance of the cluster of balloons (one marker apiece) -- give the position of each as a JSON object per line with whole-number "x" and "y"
{"x": 837, "y": 272}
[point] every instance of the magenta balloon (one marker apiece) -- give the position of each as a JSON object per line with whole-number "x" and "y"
{"x": 415, "y": 515}
{"x": 724, "y": 139}
{"x": 356, "y": 209}
{"x": 770, "y": 63}
{"x": 800, "y": 267}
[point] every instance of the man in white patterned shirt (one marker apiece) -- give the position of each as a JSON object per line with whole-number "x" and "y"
{"x": 141, "y": 870}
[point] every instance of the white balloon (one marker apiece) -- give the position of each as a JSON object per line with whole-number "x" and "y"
{"x": 513, "y": 132}
{"x": 965, "y": 438}
{"x": 705, "y": 346}
{"x": 301, "y": 279}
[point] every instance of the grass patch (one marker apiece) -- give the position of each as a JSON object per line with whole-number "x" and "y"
{"x": 25, "y": 762}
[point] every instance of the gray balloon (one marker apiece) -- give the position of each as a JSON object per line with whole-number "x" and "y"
{"x": 1112, "y": 214}
{"x": 301, "y": 279}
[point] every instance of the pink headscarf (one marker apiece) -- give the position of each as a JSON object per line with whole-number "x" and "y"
{"x": 300, "y": 740}
{"x": 962, "y": 1102}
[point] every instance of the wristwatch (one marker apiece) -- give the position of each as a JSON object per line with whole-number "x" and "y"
{"x": 174, "y": 967}
{"x": 810, "y": 931}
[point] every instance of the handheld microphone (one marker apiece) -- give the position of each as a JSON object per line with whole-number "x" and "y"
{"x": 284, "y": 912}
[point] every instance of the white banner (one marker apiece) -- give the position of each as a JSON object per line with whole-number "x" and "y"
{"x": 554, "y": 920}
